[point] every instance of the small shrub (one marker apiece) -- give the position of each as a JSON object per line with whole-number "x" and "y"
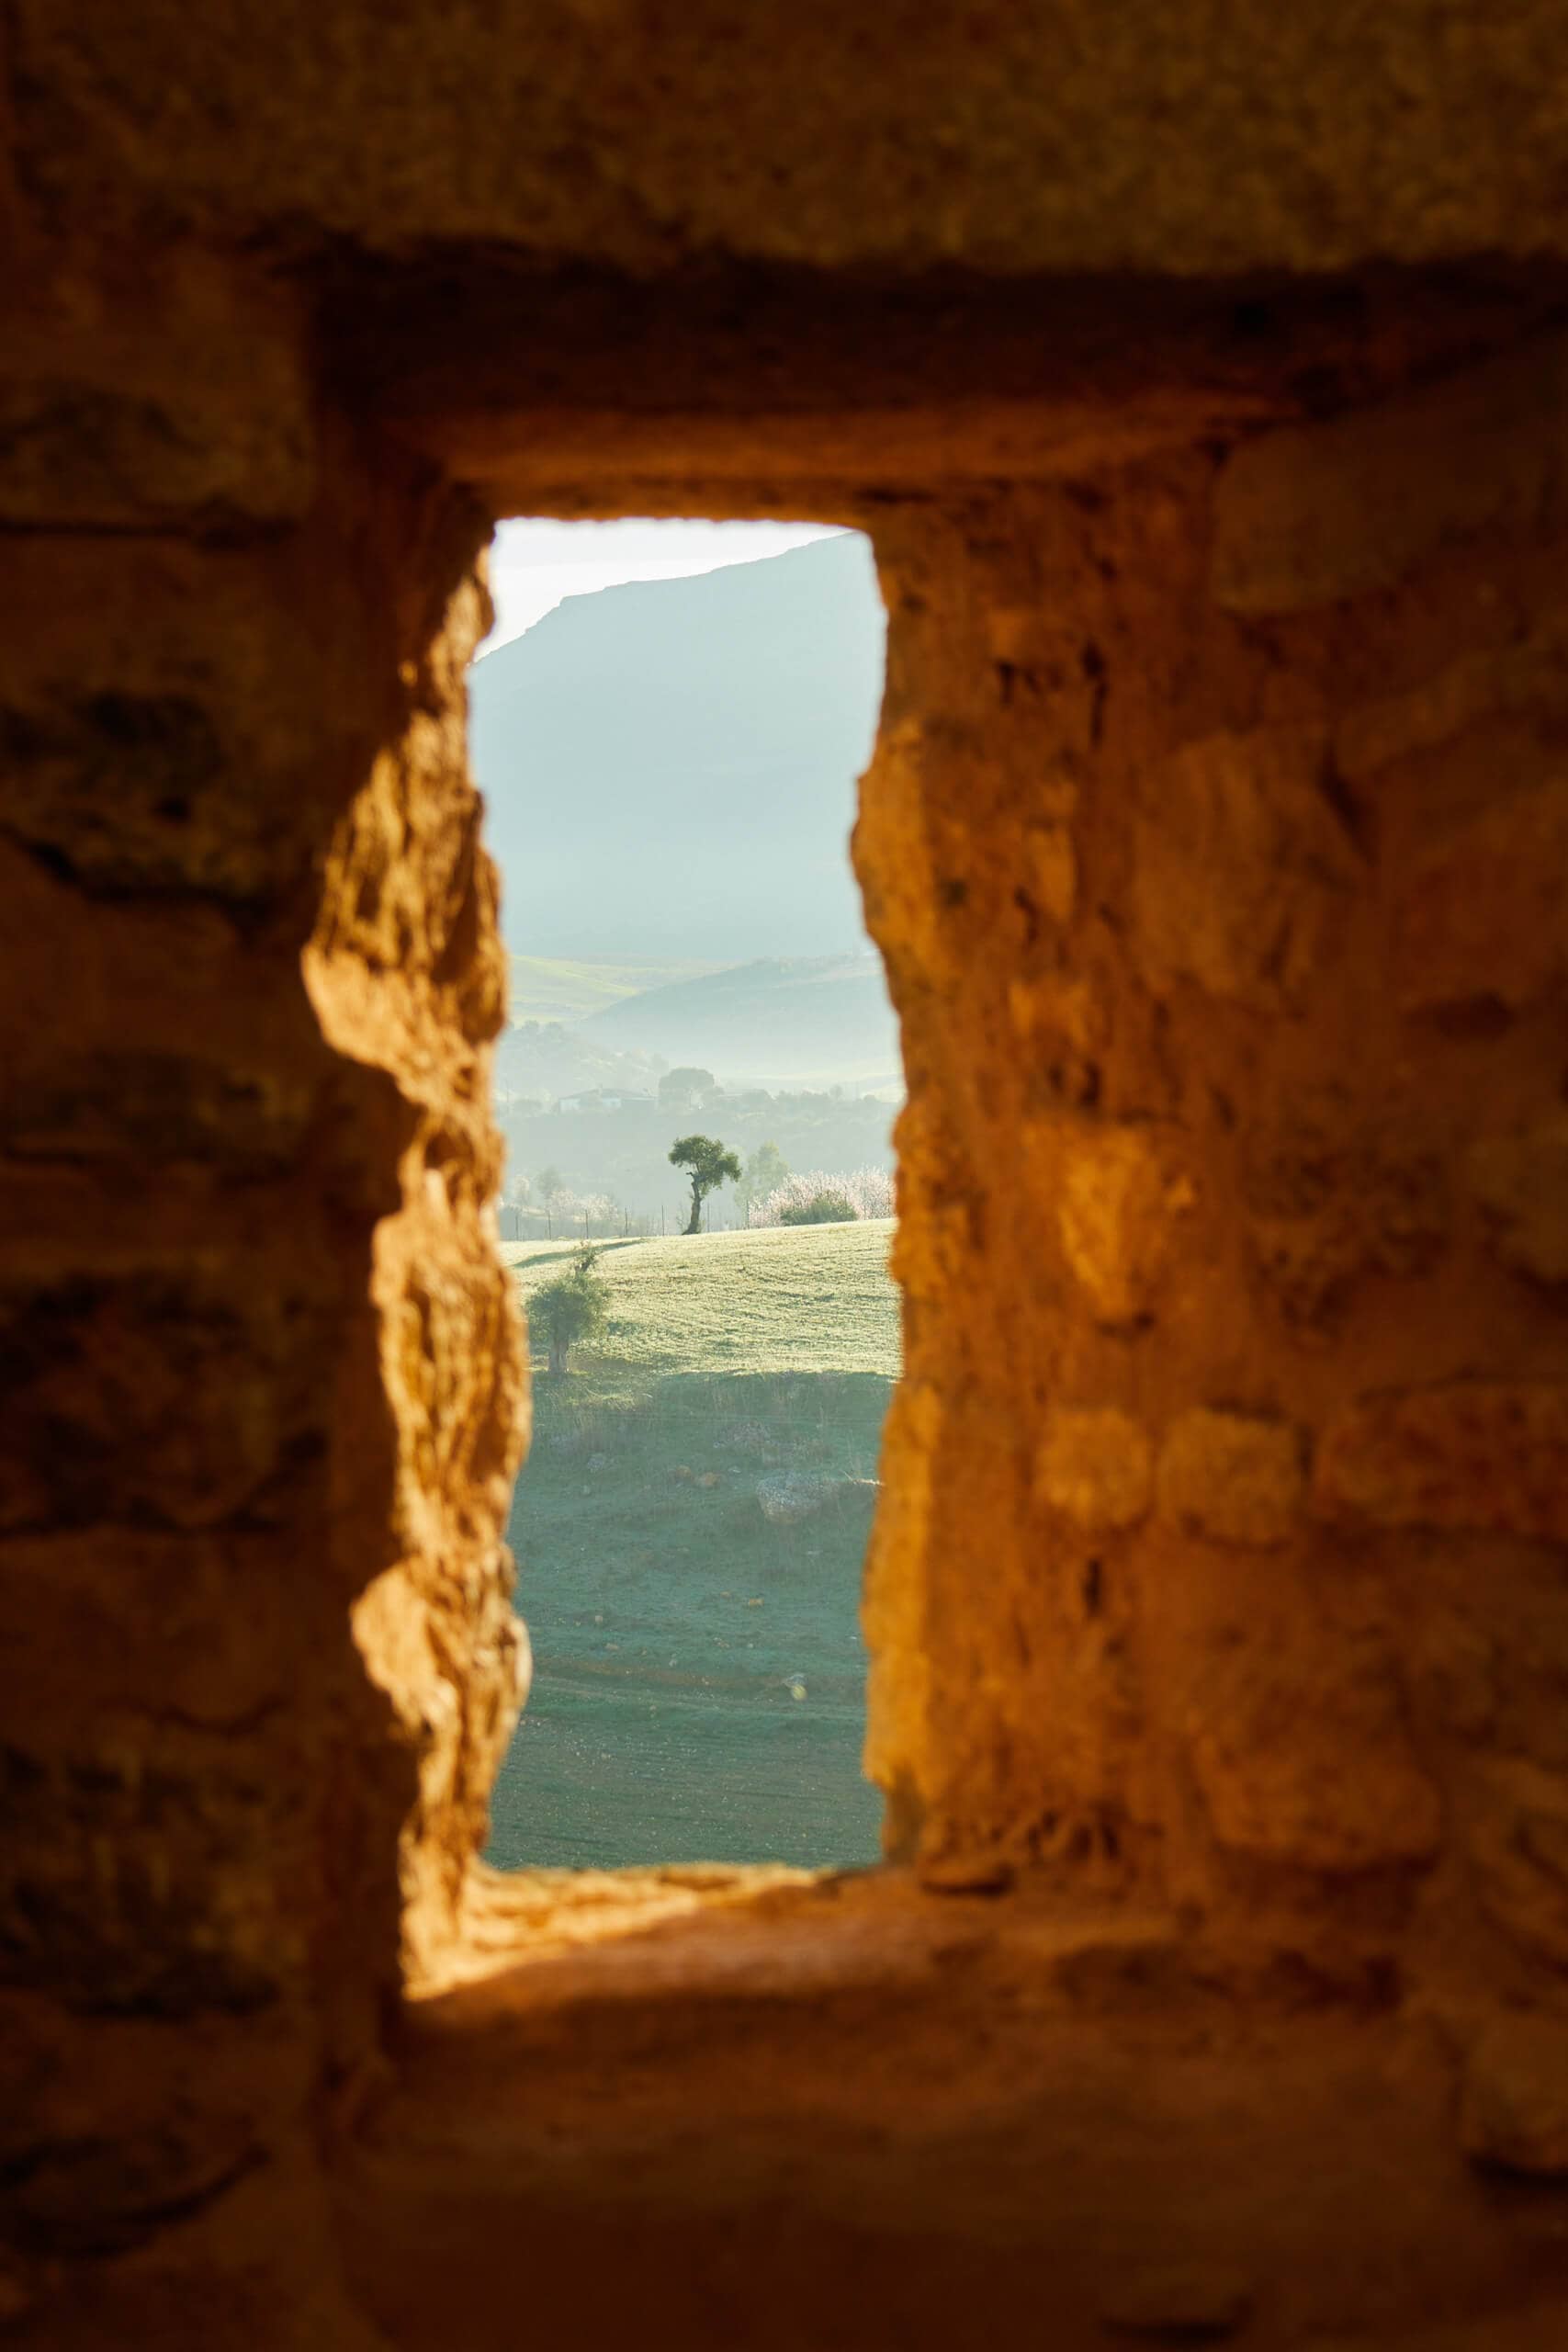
{"x": 822, "y": 1208}
{"x": 821, "y": 1196}
{"x": 571, "y": 1309}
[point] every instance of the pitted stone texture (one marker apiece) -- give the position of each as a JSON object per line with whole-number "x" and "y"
{"x": 195, "y": 412}
{"x": 1232, "y": 1476}
{"x": 1242, "y": 869}
{"x": 1040, "y": 149}
{"x": 186, "y": 763}
{"x": 1333, "y": 1199}
{"x": 1484, "y": 917}
{"x": 1324, "y": 512}
{"x": 1518, "y": 1844}
{"x": 1475, "y": 1455}
{"x": 1204, "y": 1174}
{"x": 407, "y": 975}
{"x": 1095, "y": 1468}
{"x": 1523, "y": 672}
{"x": 1363, "y": 1804}
{"x": 1521, "y": 1182}
{"x": 137, "y": 1388}
{"x": 1122, "y": 1195}
{"x": 1516, "y": 2097}
{"x": 193, "y": 1839}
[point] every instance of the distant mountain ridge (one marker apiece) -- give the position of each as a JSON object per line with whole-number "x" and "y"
{"x": 669, "y": 766}
{"x": 776, "y": 1017}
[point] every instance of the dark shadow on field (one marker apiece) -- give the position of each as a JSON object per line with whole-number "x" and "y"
{"x": 565, "y": 1247}
{"x": 690, "y": 1549}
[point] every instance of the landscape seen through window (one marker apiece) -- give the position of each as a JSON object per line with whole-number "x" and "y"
{"x": 696, "y": 1088}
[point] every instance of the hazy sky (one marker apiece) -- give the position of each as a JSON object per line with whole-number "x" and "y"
{"x": 534, "y": 565}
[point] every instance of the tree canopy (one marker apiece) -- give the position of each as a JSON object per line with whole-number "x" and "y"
{"x": 687, "y": 1084}
{"x": 709, "y": 1165}
{"x": 573, "y": 1308}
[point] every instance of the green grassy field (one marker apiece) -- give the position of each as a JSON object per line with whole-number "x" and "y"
{"x": 549, "y": 987}
{"x": 699, "y": 1677}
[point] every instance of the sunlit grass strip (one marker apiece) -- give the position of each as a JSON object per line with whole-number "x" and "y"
{"x": 778, "y": 1299}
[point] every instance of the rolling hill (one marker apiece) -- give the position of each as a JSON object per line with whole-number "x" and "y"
{"x": 699, "y": 1682}
{"x": 669, "y": 766}
{"x": 546, "y": 988}
{"x": 778, "y": 1299}
{"x": 776, "y": 1021}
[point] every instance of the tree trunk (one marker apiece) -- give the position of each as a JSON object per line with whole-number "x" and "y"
{"x": 694, "y": 1223}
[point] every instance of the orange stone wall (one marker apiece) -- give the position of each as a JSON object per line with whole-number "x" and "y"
{"x": 1208, "y": 424}
{"x": 1218, "y": 847}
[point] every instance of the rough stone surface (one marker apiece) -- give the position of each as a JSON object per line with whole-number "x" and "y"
{"x": 1516, "y": 2097}
{"x": 1232, "y": 1476}
{"x": 1367, "y": 1805}
{"x": 1119, "y": 1197}
{"x": 1331, "y": 1201}
{"x": 1478, "y": 1455}
{"x": 1521, "y": 1182}
{"x": 1484, "y": 917}
{"x": 1197, "y": 374}
{"x": 1319, "y": 147}
{"x": 1241, "y": 868}
{"x": 1519, "y": 1851}
{"x": 194, "y": 413}
{"x": 1179, "y": 2303}
{"x": 1095, "y": 1468}
{"x": 1320, "y": 514}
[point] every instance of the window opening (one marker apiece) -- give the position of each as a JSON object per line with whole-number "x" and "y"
{"x": 668, "y": 725}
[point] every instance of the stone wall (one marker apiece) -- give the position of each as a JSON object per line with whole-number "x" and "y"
{"x": 1207, "y": 425}
{"x": 1218, "y": 849}
{"x": 259, "y": 1367}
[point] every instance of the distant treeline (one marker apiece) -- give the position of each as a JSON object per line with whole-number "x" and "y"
{"x": 624, "y": 1154}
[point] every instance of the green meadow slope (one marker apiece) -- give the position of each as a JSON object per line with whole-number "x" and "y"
{"x": 699, "y": 1675}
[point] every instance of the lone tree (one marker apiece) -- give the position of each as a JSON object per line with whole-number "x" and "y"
{"x": 573, "y": 1308}
{"x": 708, "y": 1165}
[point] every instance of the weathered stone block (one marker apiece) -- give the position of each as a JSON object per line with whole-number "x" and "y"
{"x": 1232, "y": 1476}
{"x": 1515, "y": 2108}
{"x": 1094, "y": 1467}
{"x": 159, "y": 1395}
{"x": 1119, "y": 1201}
{"x": 1051, "y": 872}
{"x": 1319, "y": 512}
{"x": 139, "y": 1871}
{"x": 1521, "y": 1182}
{"x": 1517, "y": 1842}
{"x": 179, "y": 422}
{"x": 1331, "y": 1202}
{"x": 1478, "y": 1455}
{"x": 1485, "y": 916}
{"x": 1492, "y": 680}
{"x": 1309, "y": 1769}
{"x": 159, "y": 1106}
{"x": 195, "y": 761}
{"x": 1241, "y": 868}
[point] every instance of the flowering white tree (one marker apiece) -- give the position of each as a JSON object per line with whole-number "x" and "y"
{"x": 846, "y": 1192}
